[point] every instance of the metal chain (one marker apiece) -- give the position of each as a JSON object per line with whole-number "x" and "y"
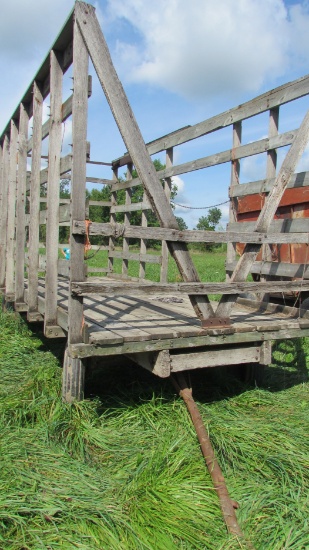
{"x": 199, "y": 207}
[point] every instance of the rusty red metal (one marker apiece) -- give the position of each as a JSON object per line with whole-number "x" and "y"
{"x": 228, "y": 505}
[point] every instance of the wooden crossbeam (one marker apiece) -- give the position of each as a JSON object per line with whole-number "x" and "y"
{"x": 124, "y": 117}
{"x": 267, "y": 213}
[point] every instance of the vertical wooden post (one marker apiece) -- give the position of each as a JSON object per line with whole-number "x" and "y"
{"x": 127, "y": 218}
{"x": 34, "y": 224}
{"x": 235, "y": 171}
{"x": 10, "y": 244}
{"x": 143, "y": 245}
{"x": 2, "y": 213}
{"x": 4, "y": 208}
{"x": 73, "y": 369}
{"x": 167, "y": 189}
{"x": 53, "y": 181}
{"x": 20, "y": 209}
{"x": 271, "y": 167}
{"x": 112, "y": 219}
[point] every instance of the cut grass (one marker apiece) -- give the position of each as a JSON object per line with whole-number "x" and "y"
{"x": 124, "y": 471}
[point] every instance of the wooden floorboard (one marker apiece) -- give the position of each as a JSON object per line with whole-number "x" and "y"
{"x": 121, "y": 319}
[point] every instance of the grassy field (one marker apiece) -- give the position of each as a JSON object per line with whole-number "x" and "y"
{"x": 122, "y": 470}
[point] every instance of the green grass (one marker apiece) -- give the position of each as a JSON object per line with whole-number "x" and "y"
{"x": 210, "y": 266}
{"x": 122, "y": 470}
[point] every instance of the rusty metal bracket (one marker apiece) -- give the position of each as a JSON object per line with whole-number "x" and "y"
{"x": 214, "y": 322}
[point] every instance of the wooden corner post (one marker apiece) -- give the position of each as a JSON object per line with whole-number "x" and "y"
{"x": 21, "y": 208}
{"x": 51, "y": 327}
{"x": 73, "y": 372}
{"x": 10, "y": 241}
{"x": 34, "y": 223}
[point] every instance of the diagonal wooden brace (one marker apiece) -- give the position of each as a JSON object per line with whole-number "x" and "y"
{"x": 267, "y": 213}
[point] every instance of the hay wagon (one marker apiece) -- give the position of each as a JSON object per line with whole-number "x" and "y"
{"x": 163, "y": 327}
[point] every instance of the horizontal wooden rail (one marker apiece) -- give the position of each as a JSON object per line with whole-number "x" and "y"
{"x": 276, "y": 269}
{"x": 278, "y": 96}
{"x": 188, "y": 236}
{"x": 297, "y": 225}
{"x": 243, "y": 151}
{"x": 133, "y": 207}
{"x": 139, "y": 289}
{"x": 301, "y": 179}
{"x": 148, "y": 258}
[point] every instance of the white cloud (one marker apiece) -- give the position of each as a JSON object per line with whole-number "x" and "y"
{"x": 205, "y": 47}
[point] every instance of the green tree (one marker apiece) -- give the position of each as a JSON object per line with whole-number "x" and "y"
{"x": 209, "y": 223}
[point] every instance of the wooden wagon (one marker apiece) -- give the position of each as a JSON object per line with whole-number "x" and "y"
{"x": 163, "y": 327}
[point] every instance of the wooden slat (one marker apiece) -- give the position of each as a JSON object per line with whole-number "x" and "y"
{"x": 146, "y": 258}
{"x": 277, "y": 269}
{"x": 131, "y": 135}
{"x": 167, "y": 190}
{"x": 127, "y": 218}
{"x": 278, "y": 96}
{"x": 298, "y": 180}
{"x": 215, "y": 358}
{"x": 20, "y": 205}
{"x": 235, "y": 171}
{"x": 10, "y": 243}
{"x": 267, "y": 213}
{"x": 52, "y": 225}
{"x": 243, "y": 233}
{"x": 243, "y": 151}
{"x": 143, "y": 245}
{"x": 66, "y": 113}
{"x": 288, "y": 225}
{"x": 4, "y": 207}
{"x": 136, "y": 289}
{"x": 134, "y": 207}
{"x": 78, "y": 192}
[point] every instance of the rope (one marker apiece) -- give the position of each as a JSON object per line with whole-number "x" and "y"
{"x": 200, "y": 207}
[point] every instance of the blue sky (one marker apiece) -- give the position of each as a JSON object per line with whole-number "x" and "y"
{"x": 180, "y": 62}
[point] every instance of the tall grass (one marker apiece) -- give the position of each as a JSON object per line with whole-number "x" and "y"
{"x": 123, "y": 470}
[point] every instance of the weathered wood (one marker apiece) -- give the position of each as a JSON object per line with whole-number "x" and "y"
{"x": 157, "y": 363}
{"x": 131, "y": 135}
{"x": 243, "y": 151}
{"x": 267, "y": 213}
{"x": 65, "y": 166}
{"x": 4, "y": 207}
{"x": 215, "y": 357}
{"x": 235, "y": 171}
{"x": 66, "y": 113}
{"x": 78, "y": 192}
{"x": 136, "y": 289}
{"x": 73, "y": 378}
{"x": 244, "y": 232}
{"x": 127, "y": 218}
{"x": 143, "y": 244}
{"x": 146, "y": 258}
{"x": 20, "y": 204}
{"x": 167, "y": 190}
{"x": 276, "y": 269}
{"x": 11, "y": 205}
{"x": 298, "y": 180}
{"x": 278, "y": 96}
{"x": 134, "y": 207}
{"x": 52, "y": 224}
{"x": 89, "y": 350}
{"x": 287, "y": 225}
{"x": 112, "y": 218}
